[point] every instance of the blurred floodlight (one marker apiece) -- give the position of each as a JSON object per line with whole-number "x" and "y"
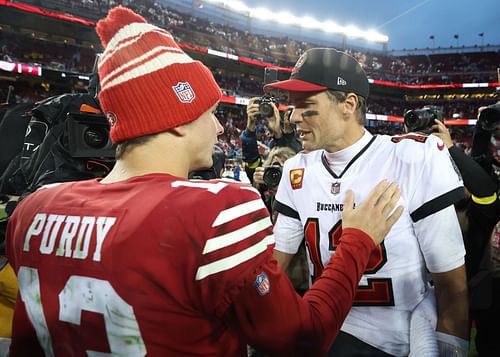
{"x": 330, "y": 26}
{"x": 238, "y": 6}
{"x": 262, "y": 14}
{"x": 286, "y": 18}
{"x": 309, "y": 22}
{"x": 374, "y": 36}
{"x": 305, "y": 22}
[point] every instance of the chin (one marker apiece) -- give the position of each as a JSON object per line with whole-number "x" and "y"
{"x": 308, "y": 147}
{"x": 203, "y": 165}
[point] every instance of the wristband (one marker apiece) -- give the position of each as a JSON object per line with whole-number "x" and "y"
{"x": 451, "y": 346}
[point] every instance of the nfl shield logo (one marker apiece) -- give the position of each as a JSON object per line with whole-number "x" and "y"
{"x": 262, "y": 284}
{"x": 335, "y": 188}
{"x": 184, "y": 92}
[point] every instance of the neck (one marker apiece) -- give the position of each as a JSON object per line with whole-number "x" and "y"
{"x": 350, "y": 137}
{"x": 155, "y": 156}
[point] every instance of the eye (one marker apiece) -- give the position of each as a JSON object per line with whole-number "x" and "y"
{"x": 310, "y": 113}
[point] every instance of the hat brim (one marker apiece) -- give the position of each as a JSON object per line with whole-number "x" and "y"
{"x": 295, "y": 85}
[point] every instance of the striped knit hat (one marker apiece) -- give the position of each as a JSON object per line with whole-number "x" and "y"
{"x": 148, "y": 84}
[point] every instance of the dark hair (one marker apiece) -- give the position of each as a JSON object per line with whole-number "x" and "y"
{"x": 340, "y": 97}
{"x": 124, "y": 146}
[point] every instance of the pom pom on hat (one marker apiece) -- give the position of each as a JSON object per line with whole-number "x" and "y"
{"x": 148, "y": 84}
{"x": 117, "y": 18}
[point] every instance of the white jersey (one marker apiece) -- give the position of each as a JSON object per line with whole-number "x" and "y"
{"x": 426, "y": 238}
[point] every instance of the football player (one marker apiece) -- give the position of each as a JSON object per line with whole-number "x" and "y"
{"x": 329, "y": 90}
{"x": 146, "y": 261}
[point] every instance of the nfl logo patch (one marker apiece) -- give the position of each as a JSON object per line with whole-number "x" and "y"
{"x": 184, "y": 92}
{"x": 335, "y": 188}
{"x": 262, "y": 284}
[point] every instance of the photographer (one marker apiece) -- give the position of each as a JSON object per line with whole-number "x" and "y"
{"x": 267, "y": 177}
{"x": 478, "y": 214}
{"x": 283, "y": 132}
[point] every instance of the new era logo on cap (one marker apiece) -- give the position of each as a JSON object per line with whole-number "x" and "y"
{"x": 341, "y": 81}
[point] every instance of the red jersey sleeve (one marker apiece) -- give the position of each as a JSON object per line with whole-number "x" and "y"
{"x": 282, "y": 323}
{"x": 236, "y": 240}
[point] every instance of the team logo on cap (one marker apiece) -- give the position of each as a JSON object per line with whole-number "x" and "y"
{"x": 111, "y": 117}
{"x": 184, "y": 92}
{"x": 296, "y": 177}
{"x": 299, "y": 63}
{"x": 262, "y": 284}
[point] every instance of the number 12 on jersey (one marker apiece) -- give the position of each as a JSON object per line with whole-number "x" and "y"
{"x": 377, "y": 291}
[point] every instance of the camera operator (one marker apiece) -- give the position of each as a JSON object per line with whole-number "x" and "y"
{"x": 267, "y": 177}
{"x": 487, "y": 125}
{"x": 283, "y": 132}
{"x": 478, "y": 214}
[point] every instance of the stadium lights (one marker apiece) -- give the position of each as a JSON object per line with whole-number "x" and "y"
{"x": 305, "y": 22}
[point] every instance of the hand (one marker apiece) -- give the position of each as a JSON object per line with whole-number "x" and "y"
{"x": 287, "y": 124}
{"x": 442, "y": 133}
{"x": 252, "y": 113}
{"x": 372, "y": 216}
{"x": 258, "y": 176}
{"x": 273, "y": 122}
{"x": 479, "y": 110}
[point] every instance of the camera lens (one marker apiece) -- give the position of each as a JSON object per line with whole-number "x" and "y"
{"x": 421, "y": 120}
{"x": 266, "y": 110}
{"x": 489, "y": 118}
{"x": 411, "y": 120}
{"x": 96, "y": 138}
{"x": 272, "y": 176}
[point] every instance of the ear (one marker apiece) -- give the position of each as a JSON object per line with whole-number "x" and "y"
{"x": 179, "y": 131}
{"x": 350, "y": 103}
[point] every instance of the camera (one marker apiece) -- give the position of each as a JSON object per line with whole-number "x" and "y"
{"x": 489, "y": 118}
{"x": 265, "y": 108}
{"x": 272, "y": 175}
{"x": 422, "y": 119}
{"x": 88, "y": 136}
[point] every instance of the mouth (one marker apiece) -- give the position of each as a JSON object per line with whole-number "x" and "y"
{"x": 301, "y": 133}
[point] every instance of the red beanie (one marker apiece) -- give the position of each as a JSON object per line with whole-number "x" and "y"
{"x": 148, "y": 84}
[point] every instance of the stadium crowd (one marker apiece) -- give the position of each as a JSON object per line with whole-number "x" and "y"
{"x": 240, "y": 130}
{"x": 199, "y": 32}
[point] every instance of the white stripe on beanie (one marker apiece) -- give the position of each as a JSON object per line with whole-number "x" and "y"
{"x": 133, "y": 29}
{"x": 159, "y": 62}
{"x": 110, "y": 51}
{"x": 140, "y": 59}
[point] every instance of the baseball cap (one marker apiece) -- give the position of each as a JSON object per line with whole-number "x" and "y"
{"x": 319, "y": 69}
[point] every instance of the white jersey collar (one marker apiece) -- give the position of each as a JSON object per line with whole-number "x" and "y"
{"x": 339, "y": 160}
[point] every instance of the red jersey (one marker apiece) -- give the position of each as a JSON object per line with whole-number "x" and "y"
{"x": 160, "y": 265}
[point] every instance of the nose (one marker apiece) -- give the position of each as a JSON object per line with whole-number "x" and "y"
{"x": 219, "y": 129}
{"x": 296, "y": 116}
